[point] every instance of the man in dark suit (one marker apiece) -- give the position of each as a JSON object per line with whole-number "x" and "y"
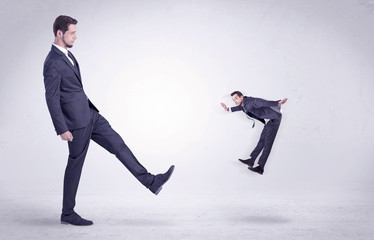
{"x": 78, "y": 121}
{"x": 267, "y": 112}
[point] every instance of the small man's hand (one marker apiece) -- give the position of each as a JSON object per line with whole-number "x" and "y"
{"x": 283, "y": 101}
{"x": 224, "y": 106}
{"x": 67, "y": 136}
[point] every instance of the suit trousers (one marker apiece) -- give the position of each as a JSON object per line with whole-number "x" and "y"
{"x": 266, "y": 141}
{"x": 100, "y": 132}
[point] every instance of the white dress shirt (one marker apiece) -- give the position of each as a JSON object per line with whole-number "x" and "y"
{"x": 65, "y": 51}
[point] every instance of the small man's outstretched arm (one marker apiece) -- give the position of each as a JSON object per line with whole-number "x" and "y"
{"x": 283, "y": 101}
{"x": 225, "y": 107}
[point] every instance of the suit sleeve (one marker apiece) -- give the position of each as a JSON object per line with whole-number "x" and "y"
{"x": 260, "y": 103}
{"x": 52, "y": 80}
{"x": 236, "y": 108}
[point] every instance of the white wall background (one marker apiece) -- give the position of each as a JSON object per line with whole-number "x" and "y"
{"x": 158, "y": 70}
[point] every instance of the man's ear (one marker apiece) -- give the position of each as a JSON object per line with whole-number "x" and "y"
{"x": 59, "y": 33}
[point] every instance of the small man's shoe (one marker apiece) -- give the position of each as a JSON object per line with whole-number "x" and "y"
{"x": 248, "y": 162}
{"x": 257, "y": 169}
{"x": 75, "y": 219}
{"x": 160, "y": 179}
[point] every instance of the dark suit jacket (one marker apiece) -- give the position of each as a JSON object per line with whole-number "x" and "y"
{"x": 259, "y": 109}
{"x": 67, "y": 103}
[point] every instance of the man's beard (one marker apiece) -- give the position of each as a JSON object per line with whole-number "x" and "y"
{"x": 67, "y": 45}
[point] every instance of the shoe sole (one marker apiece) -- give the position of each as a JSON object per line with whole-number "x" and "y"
{"x": 160, "y": 188}
{"x": 67, "y": 223}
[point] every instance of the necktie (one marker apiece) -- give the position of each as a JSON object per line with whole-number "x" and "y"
{"x": 253, "y": 125}
{"x": 70, "y": 57}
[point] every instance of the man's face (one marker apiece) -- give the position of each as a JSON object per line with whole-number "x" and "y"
{"x": 70, "y": 36}
{"x": 237, "y": 100}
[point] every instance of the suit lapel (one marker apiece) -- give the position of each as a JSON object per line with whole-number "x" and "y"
{"x": 67, "y": 61}
{"x": 71, "y": 66}
{"x": 76, "y": 68}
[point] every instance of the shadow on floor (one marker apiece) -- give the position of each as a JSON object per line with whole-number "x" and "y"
{"x": 263, "y": 219}
{"x": 141, "y": 222}
{"x": 41, "y": 222}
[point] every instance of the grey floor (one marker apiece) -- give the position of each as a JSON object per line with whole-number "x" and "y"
{"x": 256, "y": 214}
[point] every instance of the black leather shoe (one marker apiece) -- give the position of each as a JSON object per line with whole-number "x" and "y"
{"x": 248, "y": 161}
{"x": 75, "y": 219}
{"x": 257, "y": 169}
{"x": 159, "y": 180}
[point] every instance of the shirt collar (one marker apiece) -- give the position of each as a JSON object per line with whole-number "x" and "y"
{"x": 65, "y": 51}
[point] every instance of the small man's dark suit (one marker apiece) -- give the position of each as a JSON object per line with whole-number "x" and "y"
{"x": 71, "y": 110}
{"x": 261, "y": 109}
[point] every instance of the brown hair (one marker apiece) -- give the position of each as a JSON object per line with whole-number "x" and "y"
{"x": 62, "y": 23}
{"x": 237, "y": 93}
